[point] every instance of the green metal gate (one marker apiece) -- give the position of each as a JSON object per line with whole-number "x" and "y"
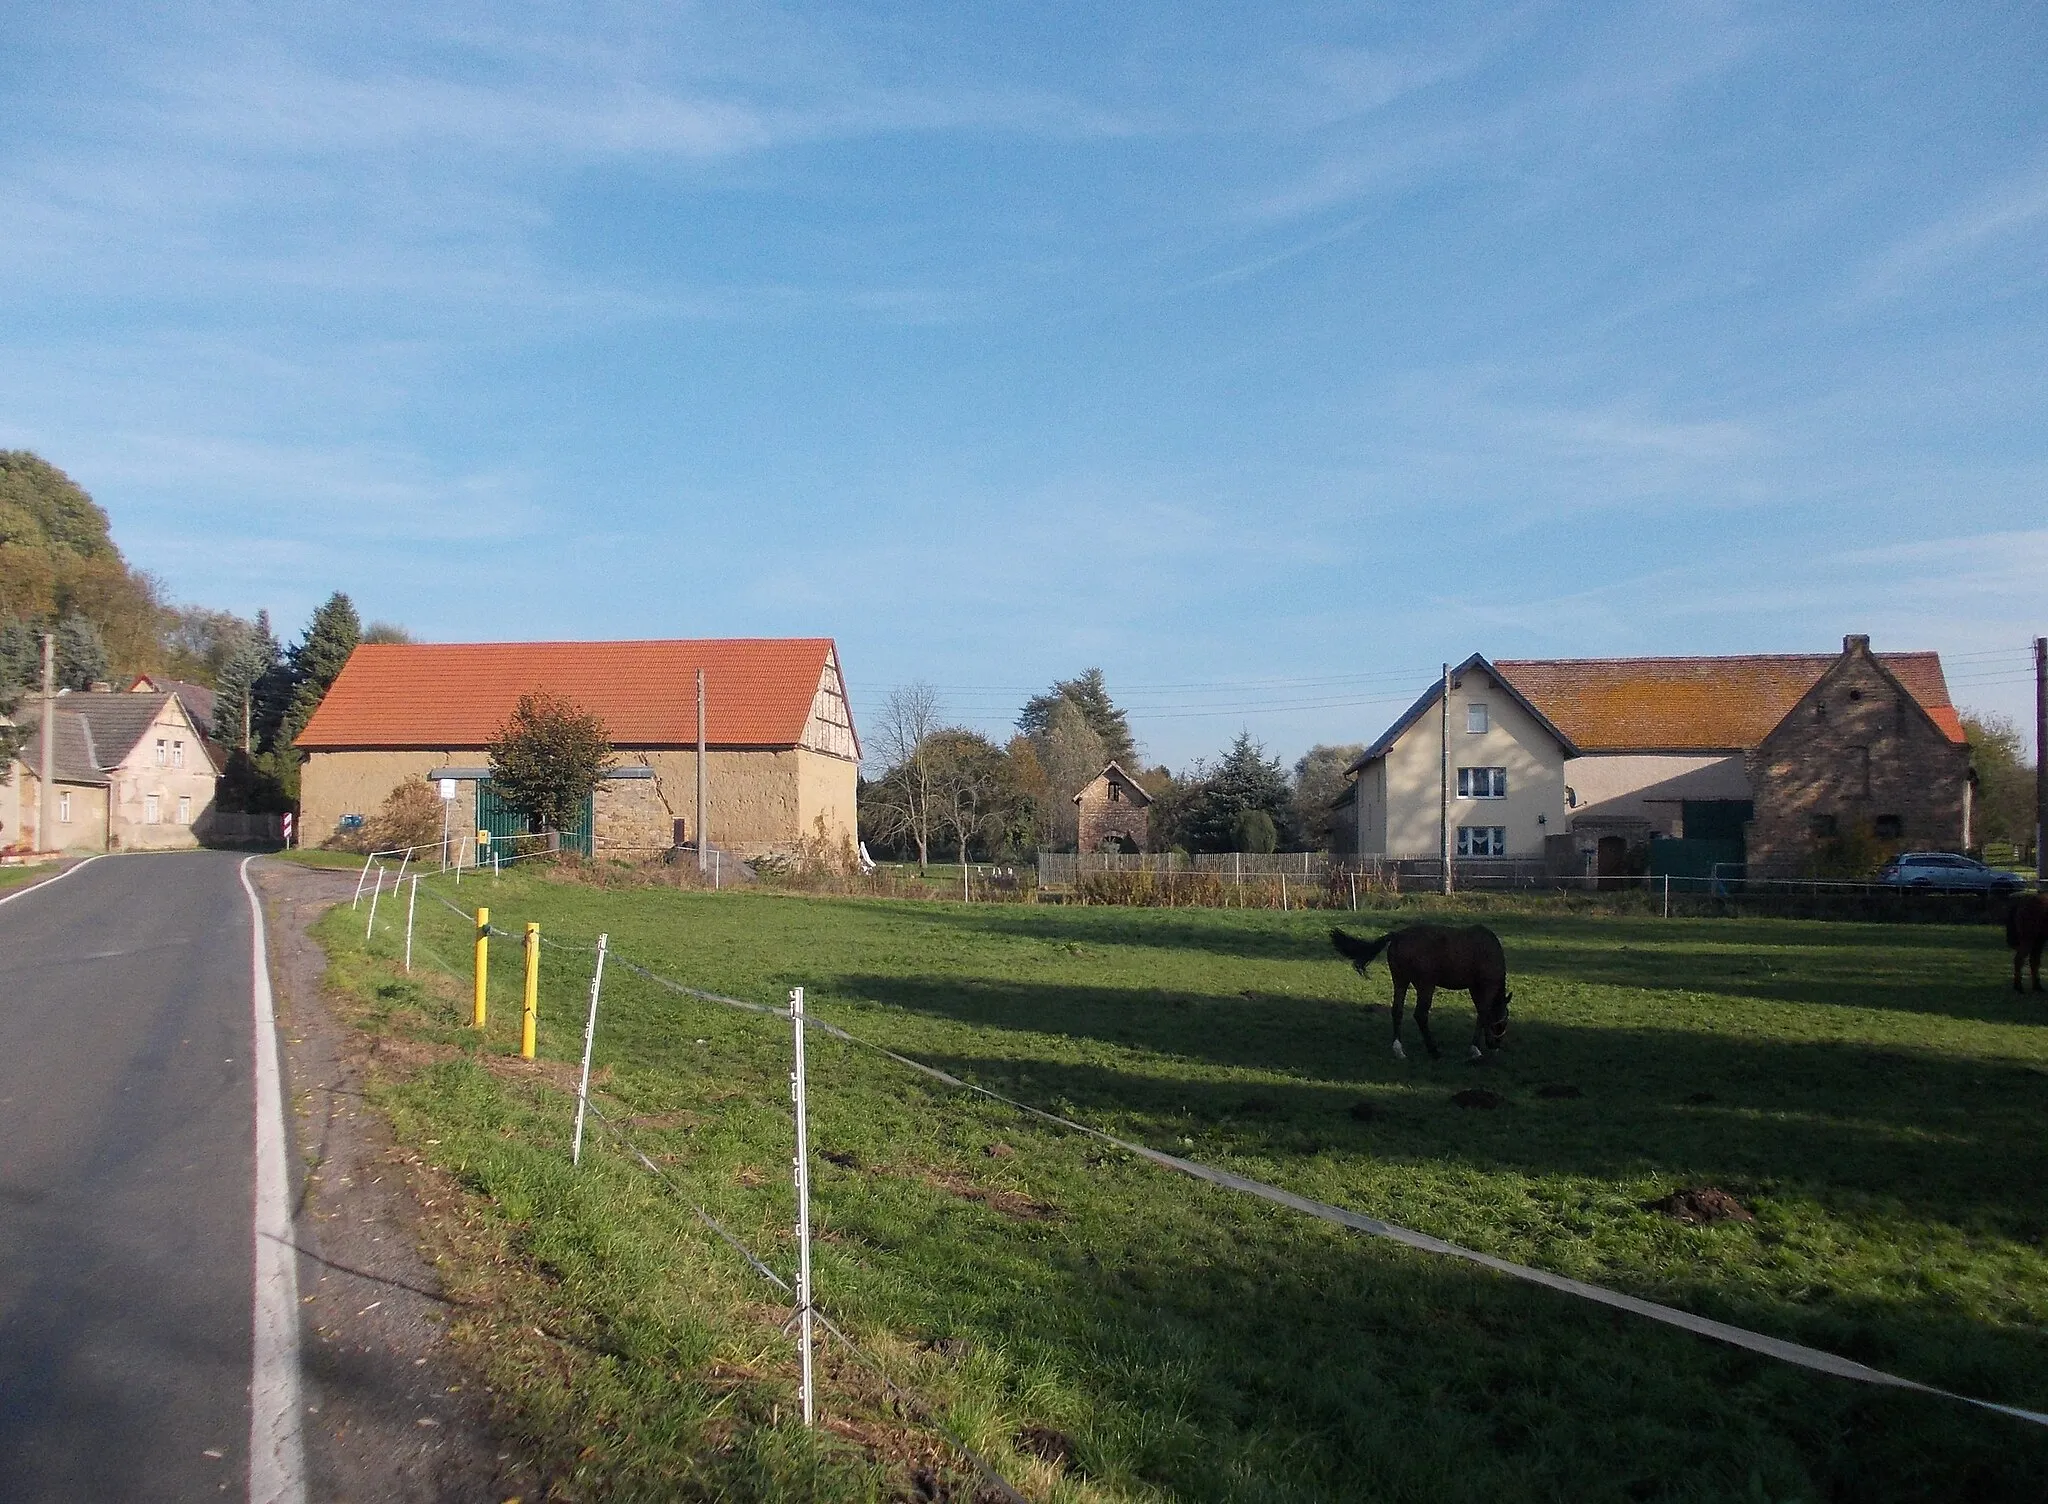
{"x": 494, "y": 814}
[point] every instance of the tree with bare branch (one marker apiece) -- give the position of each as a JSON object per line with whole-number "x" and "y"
{"x": 905, "y": 800}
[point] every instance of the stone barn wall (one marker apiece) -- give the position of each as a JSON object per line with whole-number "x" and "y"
{"x": 1112, "y": 806}
{"x": 1857, "y": 756}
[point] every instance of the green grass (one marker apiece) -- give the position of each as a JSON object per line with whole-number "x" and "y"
{"x": 1873, "y": 1094}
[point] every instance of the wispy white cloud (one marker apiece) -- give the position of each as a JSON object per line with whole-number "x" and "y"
{"x": 2007, "y": 212}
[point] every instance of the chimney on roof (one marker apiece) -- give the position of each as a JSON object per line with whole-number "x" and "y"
{"x": 1854, "y": 641}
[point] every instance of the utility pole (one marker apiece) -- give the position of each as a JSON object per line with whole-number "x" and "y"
{"x": 2040, "y": 759}
{"x": 46, "y": 786}
{"x": 1444, "y": 777}
{"x": 703, "y": 851}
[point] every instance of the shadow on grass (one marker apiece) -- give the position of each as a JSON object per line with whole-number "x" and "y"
{"x": 1231, "y": 1354}
{"x": 1786, "y": 961}
{"x": 1951, "y": 1137}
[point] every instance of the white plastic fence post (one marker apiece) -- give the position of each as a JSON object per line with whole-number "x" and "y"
{"x": 361, "y": 877}
{"x": 803, "y": 1202}
{"x": 1283, "y": 891}
{"x": 1354, "y": 892}
{"x": 589, "y": 1034}
{"x": 402, "y": 862}
{"x": 412, "y": 899}
{"x": 1667, "y": 895}
{"x": 370, "y": 928}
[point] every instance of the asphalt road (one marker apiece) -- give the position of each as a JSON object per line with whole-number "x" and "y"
{"x": 126, "y": 1183}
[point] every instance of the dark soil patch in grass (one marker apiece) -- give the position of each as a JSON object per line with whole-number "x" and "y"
{"x": 1364, "y": 1112}
{"x": 1478, "y": 1096}
{"x": 1701, "y": 1204}
{"x": 1047, "y": 1445}
{"x": 1010, "y": 1203}
{"x": 1559, "y": 1091}
{"x": 846, "y": 1160}
{"x": 999, "y": 1151}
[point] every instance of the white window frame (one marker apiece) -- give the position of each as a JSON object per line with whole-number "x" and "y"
{"x": 177, "y": 754}
{"x": 152, "y": 809}
{"x": 1482, "y": 783}
{"x": 1494, "y": 838}
{"x": 163, "y": 752}
{"x": 63, "y": 807}
{"x": 1476, "y": 719}
{"x": 184, "y": 809}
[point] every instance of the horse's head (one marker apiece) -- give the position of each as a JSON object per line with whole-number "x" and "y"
{"x": 1497, "y": 1025}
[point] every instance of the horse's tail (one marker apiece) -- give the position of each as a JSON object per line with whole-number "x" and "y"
{"x": 1358, "y": 950}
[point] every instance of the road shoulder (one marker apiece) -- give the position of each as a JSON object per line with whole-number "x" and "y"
{"x": 394, "y": 1413}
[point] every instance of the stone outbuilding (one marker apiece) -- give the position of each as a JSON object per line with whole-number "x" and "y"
{"x": 132, "y": 773}
{"x": 1113, "y": 813}
{"x": 781, "y": 754}
{"x": 1763, "y": 757}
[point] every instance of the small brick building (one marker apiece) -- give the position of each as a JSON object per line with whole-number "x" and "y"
{"x": 1859, "y": 754}
{"x": 1113, "y": 817}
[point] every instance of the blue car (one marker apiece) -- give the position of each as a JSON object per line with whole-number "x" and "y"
{"x": 1944, "y": 871}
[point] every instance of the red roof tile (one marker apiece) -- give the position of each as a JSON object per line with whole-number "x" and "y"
{"x": 758, "y": 691}
{"x": 1698, "y": 704}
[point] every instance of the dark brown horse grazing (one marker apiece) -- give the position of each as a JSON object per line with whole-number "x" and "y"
{"x": 1466, "y": 958}
{"x": 2026, "y": 931}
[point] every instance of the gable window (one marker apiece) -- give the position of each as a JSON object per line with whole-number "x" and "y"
{"x": 63, "y": 809}
{"x": 1482, "y": 783}
{"x": 184, "y": 809}
{"x": 1482, "y": 840}
{"x": 177, "y": 754}
{"x": 163, "y": 752}
{"x": 1116, "y": 794}
{"x": 152, "y": 809}
{"x": 1475, "y": 718}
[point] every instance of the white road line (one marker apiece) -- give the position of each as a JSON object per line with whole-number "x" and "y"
{"x": 48, "y": 881}
{"x": 277, "y": 1449}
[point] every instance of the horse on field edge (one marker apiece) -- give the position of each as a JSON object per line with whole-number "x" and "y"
{"x": 2026, "y": 931}
{"x": 1465, "y": 958}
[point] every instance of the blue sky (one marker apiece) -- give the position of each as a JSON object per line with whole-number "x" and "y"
{"x": 1263, "y": 356}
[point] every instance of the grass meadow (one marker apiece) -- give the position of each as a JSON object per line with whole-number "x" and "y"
{"x": 1104, "y": 1330}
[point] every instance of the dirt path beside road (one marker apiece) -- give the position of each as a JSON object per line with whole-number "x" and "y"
{"x": 394, "y": 1414}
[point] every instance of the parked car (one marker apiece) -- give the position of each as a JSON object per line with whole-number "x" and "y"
{"x": 1949, "y": 872}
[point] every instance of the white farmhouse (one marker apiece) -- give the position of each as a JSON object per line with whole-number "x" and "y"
{"x": 1499, "y": 761}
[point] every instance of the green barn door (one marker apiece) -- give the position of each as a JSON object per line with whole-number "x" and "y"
{"x": 503, "y": 821}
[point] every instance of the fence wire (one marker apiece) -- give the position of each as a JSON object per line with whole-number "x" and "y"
{"x": 1796, "y": 1354}
{"x": 990, "y": 1475}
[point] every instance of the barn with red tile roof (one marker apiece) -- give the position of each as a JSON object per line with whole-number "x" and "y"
{"x": 782, "y": 756}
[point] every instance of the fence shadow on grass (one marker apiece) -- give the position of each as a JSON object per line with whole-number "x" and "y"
{"x": 1238, "y": 1353}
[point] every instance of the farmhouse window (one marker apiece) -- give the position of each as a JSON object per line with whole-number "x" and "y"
{"x": 63, "y": 809}
{"x": 1482, "y": 783}
{"x": 1116, "y": 794}
{"x": 1822, "y": 826}
{"x": 152, "y": 809}
{"x": 177, "y": 754}
{"x": 184, "y": 809}
{"x": 1475, "y": 718}
{"x": 163, "y": 753}
{"x": 1482, "y": 840}
{"x": 1888, "y": 827}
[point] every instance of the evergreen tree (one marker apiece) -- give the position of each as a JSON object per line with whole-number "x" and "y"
{"x": 317, "y": 660}
{"x": 255, "y": 656}
{"x": 1245, "y": 780}
{"x": 1090, "y": 694}
{"x": 81, "y": 654}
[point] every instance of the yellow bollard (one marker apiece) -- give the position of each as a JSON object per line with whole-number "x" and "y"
{"x": 483, "y": 966}
{"x": 529, "y": 1018}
